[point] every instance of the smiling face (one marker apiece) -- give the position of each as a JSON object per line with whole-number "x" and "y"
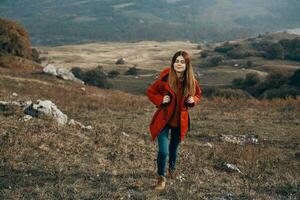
{"x": 179, "y": 64}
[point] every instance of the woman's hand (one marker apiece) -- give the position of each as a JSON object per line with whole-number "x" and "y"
{"x": 190, "y": 100}
{"x": 166, "y": 99}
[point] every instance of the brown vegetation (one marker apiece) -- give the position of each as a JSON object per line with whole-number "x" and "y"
{"x": 40, "y": 160}
{"x": 15, "y": 49}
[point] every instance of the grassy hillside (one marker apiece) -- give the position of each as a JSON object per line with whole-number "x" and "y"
{"x": 150, "y": 57}
{"x": 72, "y": 22}
{"x": 40, "y": 160}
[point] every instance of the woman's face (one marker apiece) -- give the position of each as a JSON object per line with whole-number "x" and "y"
{"x": 179, "y": 64}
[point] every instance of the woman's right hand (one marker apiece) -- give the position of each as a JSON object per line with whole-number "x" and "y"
{"x": 166, "y": 99}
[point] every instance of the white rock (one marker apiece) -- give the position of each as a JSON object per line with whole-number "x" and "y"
{"x": 232, "y": 167}
{"x": 50, "y": 69}
{"x": 207, "y": 144}
{"x": 125, "y": 134}
{"x": 240, "y": 139}
{"x": 72, "y": 122}
{"x": 61, "y": 72}
{"x": 27, "y": 117}
{"x": 14, "y": 94}
{"x": 46, "y": 108}
{"x": 89, "y": 127}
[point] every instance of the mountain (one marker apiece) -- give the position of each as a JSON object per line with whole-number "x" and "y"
{"x": 53, "y": 22}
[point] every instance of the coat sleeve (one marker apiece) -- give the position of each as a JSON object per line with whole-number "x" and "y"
{"x": 198, "y": 95}
{"x": 155, "y": 94}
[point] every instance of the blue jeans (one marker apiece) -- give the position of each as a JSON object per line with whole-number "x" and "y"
{"x": 166, "y": 148}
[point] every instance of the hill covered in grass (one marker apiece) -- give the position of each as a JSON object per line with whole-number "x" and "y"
{"x": 116, "y": 158}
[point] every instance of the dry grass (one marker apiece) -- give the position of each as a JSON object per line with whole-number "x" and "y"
{"x": 144, "y": 54}
{"x": 40, "y": 160}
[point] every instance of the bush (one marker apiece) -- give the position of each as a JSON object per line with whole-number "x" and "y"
{"x": 35, "y": 55}
{"x": 238, "y": 82}
{"x": 251, "y": 79}
{"x": 132, "y": 71}
{"x": 249, "y": 64}
{"x": 261, "y": 45}
{"x": 295, "y": 78}
{"x": 208, "y": 91}
{"x": 239, "y": 53}
{"x": 276, "y": 79}
{"x": 231, "y": 94}
{"x": 290, "y": 45}
{"x": 214, "y": 61}
{"x": 284, "y": 91}
{"x": 204, "y": 54}
{"x": 275, "y": 51}
{"x": 113, "y": 74}
{"x": 95, "y": 77}
{"x": 225, "y": 47}
{"x": 78, "y": 73}
{"x": 277, "y": 84}
{"x": 295, "y": 55}
{"x": 273, "y": 80}
{"x": 14, "y": 39}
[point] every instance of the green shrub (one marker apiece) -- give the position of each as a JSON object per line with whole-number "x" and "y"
{"x": 238, "y": 82}
{"x": 239, "y": 53}
{"x": 229, "y": 93}
{"x": 251, "y": 79}
{"x": 295, "y": 78}
{"x": 214, "y": 61}
{"x": 208, "y": 91}
{"x": 204, "y": 54}
{"x": 295, "y": 55}
{"x": 261, "y": 45}
{"x": 132, "y": 71}
{"x": 290, "y": 45}
{"x": 35, "y": 55}
{"x": 284, "y": 91}
{"x": 275, "y": 51}
{"x": 249, "y": 64}
{"x": 95, "y": 77}
{"x": 276, "y": 79}
{"x": 113, "y": 74}
{"x": 78, "y": 73}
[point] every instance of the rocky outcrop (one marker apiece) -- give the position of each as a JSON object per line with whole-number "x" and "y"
{"x": 42, "y": 108}
{"x": 61, "y": 72}
{"x": 46, "y": 108}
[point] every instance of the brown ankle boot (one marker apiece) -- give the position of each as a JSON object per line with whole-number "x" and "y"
{"x": 172, "y": 174}
{"x": 161, "y": 183}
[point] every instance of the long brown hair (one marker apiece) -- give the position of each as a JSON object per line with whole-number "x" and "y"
{"x": 189, "y": 78}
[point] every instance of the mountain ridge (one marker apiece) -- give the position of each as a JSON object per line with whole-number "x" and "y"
{"x": 73, "y": 22}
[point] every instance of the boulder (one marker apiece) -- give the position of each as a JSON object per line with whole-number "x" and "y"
{"x": 120, "y": 61}
{"x": 61, "y": 73}
{"x": 46, "y": 108}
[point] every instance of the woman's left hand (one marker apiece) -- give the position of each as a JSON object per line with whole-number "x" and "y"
{"x": 190, "y": 100}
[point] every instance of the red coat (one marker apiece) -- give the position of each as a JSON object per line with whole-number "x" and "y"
{"x": 156, "y": 92}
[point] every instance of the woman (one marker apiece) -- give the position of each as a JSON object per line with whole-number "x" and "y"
{"x": 173, "y": 93}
